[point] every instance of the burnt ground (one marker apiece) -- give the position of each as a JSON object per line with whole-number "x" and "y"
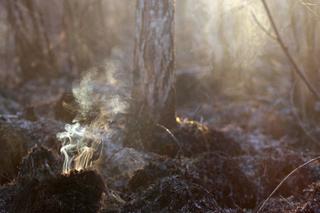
{"x": 223, "y": 156}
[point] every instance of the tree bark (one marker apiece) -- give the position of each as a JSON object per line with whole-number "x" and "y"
{"x": 153, "y": 74}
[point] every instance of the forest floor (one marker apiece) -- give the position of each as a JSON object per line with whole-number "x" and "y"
{"x": 225, "y": 155}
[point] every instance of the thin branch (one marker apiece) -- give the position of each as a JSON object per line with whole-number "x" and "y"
{"x": 287, "y": 53}
{"x": 266, "y": 31}
{"x": 240, "y": 7}
{"x": 284, "y": 180}
{"x": 308, "y": 6}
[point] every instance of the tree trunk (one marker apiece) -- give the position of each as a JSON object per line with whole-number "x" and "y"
{"x": 153, "y": 74}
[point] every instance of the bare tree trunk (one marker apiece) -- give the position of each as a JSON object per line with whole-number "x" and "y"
{"x": 32, "y": 44}
{"x": 153, "y": 74}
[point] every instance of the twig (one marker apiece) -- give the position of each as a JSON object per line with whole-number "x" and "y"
{"x": 240, "y": 7}
{"x": 173, "y": 137}
{"x": 309, "y": 8}
{"x": 286, "y": 200}
{"x": 287, "y": 53}
{"x": 286, "y": 178}
{"x": 262, "y": 27}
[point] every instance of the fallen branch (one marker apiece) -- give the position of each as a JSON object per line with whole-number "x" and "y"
{"x": 284, "y": 180}
{"x": 287, "y": 53}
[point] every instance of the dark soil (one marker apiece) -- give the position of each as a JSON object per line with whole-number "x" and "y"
{"x": 219, "y": 175}
{"x": 194, "y": 167}
{"x": 173, "y": 194}
{"x": 39, "y": 188}
{"x": 306, "y": 202}
{"x": 13, "y": 146}
{"x": 189, "y": 139}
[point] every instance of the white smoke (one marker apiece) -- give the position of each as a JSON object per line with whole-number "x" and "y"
{"x": 103, "y": 101}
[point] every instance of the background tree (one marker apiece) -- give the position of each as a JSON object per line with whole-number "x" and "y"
{"x": 32, "y": 44}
